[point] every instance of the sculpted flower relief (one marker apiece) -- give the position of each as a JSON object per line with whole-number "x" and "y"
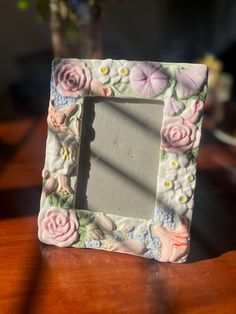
{"x": 72, "y": 78}
{"x": 190, "y": 80}
{"x": 58, "y": 119}
{"x": 58, "y": 226}
{"x": 62, "y": 150}
{"x": 174, "y": 244}
{"x": 147, "y": 79}
{"x": 172, "y": 107}
{"x": 180, "y": 134}
{"x": 106, "y": 71}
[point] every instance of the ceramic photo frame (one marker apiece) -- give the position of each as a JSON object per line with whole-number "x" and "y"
{"x": 120, "y": 166}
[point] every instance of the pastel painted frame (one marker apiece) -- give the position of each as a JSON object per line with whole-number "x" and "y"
{"x": 182, "y": 89}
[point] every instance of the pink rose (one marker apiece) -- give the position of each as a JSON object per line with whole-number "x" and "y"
{"x": 180, "y": 134}
{"x": 58, "y": 227}
{"x": 72, "y": 78}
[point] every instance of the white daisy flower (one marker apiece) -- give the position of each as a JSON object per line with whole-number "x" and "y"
{"x": 122, "y": 73}
{"x": 187, "y": 179}
{"x": 167, "y": 185}
{"x": 175, "y": 188}
{"x": 106, "y": 71}
{"x": 181, "y": 199}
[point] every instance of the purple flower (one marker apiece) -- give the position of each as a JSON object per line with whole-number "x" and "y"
{"x": 172, "y": 106}
{"x": 147, "y": 79}
{"x": 190, "y": 80}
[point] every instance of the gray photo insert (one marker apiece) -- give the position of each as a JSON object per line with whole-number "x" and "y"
{"x": 119, "y": 156}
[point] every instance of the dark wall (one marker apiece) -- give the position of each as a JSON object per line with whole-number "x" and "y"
{"x": 168, "y": 30}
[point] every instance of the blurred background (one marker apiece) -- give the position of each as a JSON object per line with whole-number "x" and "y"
{"x": 32, "y": 32}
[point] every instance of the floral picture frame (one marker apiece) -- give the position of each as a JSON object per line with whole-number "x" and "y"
{"x": 182, "y": 89}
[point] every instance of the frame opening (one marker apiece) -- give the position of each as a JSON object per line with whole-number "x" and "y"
{"x": 119, "y": 156}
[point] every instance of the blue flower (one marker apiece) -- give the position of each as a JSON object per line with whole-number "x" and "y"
{"x": 92, "y": 244}
{"x": 165, "y": 216}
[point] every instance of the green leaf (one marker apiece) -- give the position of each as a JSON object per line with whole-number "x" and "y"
{"x": 82, "y": 230}
{"x": 79, "y": 245}
{"x": 53, "y": 200}
{"x": 192, "y": 155}
{"x": 70, "y": 201}
{"x": 57, "y": 200}
{"x": 65, "y": 202}
{"x": 85, "y": 219}
{"x": 199, "y": 124}
{"x": 163, "y": 155}
{"x": 82, "y": 238}
{"x": 50, "y": 201}
{"x": 195, "y": 152}
{"x": 55, "y": 62}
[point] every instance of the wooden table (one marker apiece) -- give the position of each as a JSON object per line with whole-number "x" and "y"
{"x": 36, "y": 278}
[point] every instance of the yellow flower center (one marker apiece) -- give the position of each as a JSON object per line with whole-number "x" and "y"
{"x": 104, "y": 70}
{"x": 66, "y": 153}
{"x": 174, "y": 164}
{"x": 183, "y": 199}
{"x": 63, "y": 192}
{"x": 124, "y": 71}
{"x": 190, "y": 178}
{"x": 168, "y": 184}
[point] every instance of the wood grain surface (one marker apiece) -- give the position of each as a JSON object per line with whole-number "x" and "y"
{"x": 36, "y": 278}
